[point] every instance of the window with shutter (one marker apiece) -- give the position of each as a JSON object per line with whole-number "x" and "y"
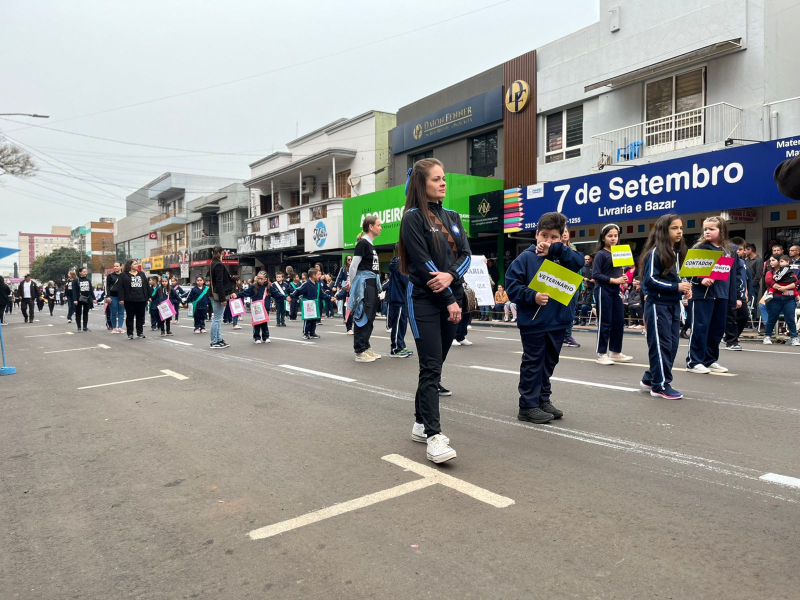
{"x": 564, "y": 134}
{"x": 674, "y": 109}
{"x": 342, "y": 184}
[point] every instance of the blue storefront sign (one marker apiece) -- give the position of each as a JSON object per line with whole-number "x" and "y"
{"x": 462, "y": 116}
{"x": 320, "y": 234}
{"x": 738, "y": 177}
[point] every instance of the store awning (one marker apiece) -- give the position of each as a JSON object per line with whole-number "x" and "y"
{"x": 682, "y": 60}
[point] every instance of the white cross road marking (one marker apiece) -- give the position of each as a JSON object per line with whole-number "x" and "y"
{"x": 319, "y": 373}
{"x": 564, "y": 380}
{"x": 50, "y": 334}
{"x": 429, "y": 475}
{"x": 177, "y": 342}
{"x": 630, "y": 364}
{"x": 166, "y": 373}
{"x": 781, "y": 480}
{"x": 295, "y": 341}
{"x": 504, "y": 339}
{"x": 380, "y": 337}
{"x": 25, "y": 326}
{"x": 102, "y": 346}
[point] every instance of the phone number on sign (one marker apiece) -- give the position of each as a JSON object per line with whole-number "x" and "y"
{"x": 572, "y": 221}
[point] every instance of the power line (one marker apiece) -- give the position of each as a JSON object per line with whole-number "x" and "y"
{"x": 280, "y": 69}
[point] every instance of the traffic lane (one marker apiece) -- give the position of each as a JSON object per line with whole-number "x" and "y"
{"x": 446, "y": 532}
{"x": 681, "y": 426}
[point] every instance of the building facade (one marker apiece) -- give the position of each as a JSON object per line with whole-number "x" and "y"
{"x": 154, "y": 230}
{"x": 96, "y": 239}
{"x": 34, "y": 245}
{"x": 297, "y": 196}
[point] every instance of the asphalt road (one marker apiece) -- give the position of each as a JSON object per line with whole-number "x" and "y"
{"x": 149, "y": 489}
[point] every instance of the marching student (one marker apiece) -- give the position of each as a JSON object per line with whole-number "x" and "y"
{"x": 294, "y": 304}
{"x": 164, "y": 293}
{"x": 154, "y": 282}
{"x": 311, "y": 290}
{"x": 198, "y": 298}
{"x": 663, "y": 288}
{"x": 50, "y": 296}
{"x": 260, "y": 290}
{"x": 133, "y": 297}
{"x": 542, "y": 322}
{"x": 711, "y": 301}
{"x": 180, "y": 295}
{"x": 398, "y": 311}
{"x": 610, "y": 311}
{"x": 280, "y": 291}
{"x": 82, "y": 298}
{"x": 364, "y": 280}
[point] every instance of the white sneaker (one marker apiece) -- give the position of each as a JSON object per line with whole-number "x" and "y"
{"x": 365, "y": 357}
{"x": 466, "y": 342}
{"x": 257, "y": 341}
{"x": 350, "y": 332}
{"x": 439, "y": 450}
{"x": 767, "y": 340}
{"x": 717, "y": 368}
{"x": 455, "y": 343}
{"x": 620, "y": 357}
{"x": 698, "y": 368}
{"x": 469, "y": 326}
{"x": 795, "y": 341}
{"x": 418, "y": 434}
{"x": 237, "y": 326}
{"x": 266, "y": 341}
{"x": 604, "y": 359}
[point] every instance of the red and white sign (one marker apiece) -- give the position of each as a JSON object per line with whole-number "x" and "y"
{"x": 722, "y": 270}
{"x": 153, "y": 235}
{"x": 743, "y": 215}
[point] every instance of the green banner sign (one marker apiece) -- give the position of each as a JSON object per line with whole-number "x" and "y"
{"x": 389, "y": 205}
{"x": 699, "y": 263}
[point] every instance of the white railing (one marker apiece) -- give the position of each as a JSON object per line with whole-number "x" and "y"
{"x": 704, "y": 125}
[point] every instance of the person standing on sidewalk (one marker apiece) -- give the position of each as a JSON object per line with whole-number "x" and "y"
{"x": 434, "y": 253}
{"x": 365, "y": 280}
{"x": 221, "y": 292}
{"x": 5, "y": 298}
{"x": 82, "y": 298}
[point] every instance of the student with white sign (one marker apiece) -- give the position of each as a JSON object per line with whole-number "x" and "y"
{"x": 312, "y": 294}
{"x": 259, "y": 292}
{"x": 610, "y": 310}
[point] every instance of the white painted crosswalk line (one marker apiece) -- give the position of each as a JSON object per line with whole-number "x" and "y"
{"x": 319, "y": 373}
{"x": 564, "y": 380}
{"x": 781, "y": 480}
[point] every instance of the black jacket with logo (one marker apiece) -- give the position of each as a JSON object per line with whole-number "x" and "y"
{"x": 134, "y": 288}
{"x": 82, "y": 286}
{"x": 429, "y": 249}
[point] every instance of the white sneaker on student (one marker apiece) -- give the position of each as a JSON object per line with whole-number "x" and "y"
{"x": 717, "y": 368}
{"x": 257, "y": 341}
{"x": 620, "y": 357}
{"x": 455, "y": 343}
{"x": 439, "y": 450}
{"x": 698, "y": 368}
{"x": 767, "y": 340}
{"x": 603, "y": 359}
{"x": 466, "y": 342}
{"x": 795, "y": 341}
{"x": 418, "y": 434}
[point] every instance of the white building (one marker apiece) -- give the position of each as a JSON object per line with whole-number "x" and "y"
{"x": 296, "y": 195}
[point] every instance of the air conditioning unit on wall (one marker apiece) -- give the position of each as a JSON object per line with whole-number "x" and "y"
{"x": 309, "y": 185}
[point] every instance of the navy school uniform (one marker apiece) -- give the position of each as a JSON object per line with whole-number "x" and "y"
{"x": 311, "y": 291}
{"x": 260, "y": 331}
{"x": 662, "y": 318}
{"x": 159, "y": 296}
{"x": 709, "y": 307}
{"x": 542, "y": 332}
{"x": 610, "y": 309}
{"x": 280, "y": 292}
{"x": 201, "y": 304}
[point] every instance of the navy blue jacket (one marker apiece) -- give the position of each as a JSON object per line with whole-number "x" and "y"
{"x": 162, "y": 295}
{"x": 720, "y": 289}
{"x": 398, "y": 284}
{"x": 261, "y": 294}
{"x": 285, "y": 288}
{"x": 309, "y": 291}
{"x": 194, "y": 294}
{"x": 604, "y": 270}
{"x": 553, "y": 316}
{"x": 658, "y": 288}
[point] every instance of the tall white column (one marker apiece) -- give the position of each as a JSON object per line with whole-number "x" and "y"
{"x": 334, "y": 177}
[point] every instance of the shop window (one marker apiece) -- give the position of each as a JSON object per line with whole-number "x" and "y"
{"x": 483, "y": 155}
{"x": 415, "y": 157}
{"x": 564, "y": 134}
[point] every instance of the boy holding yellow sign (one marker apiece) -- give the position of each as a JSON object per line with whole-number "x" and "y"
{"x": 542, "y": 291}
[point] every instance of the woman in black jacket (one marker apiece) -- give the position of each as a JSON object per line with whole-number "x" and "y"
{"x": 49, "y": 294}
{"x": 5, "y": 293}
{"x": 133, "y": 296}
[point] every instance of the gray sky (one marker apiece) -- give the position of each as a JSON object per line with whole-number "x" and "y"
{"x": 73, "y": 59}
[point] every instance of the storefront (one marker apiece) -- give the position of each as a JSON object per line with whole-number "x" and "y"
{"x": 736, "y": 182}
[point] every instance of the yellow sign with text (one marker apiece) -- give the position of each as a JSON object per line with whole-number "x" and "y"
{"x": 621, "y": 256}
{"x": 557, "y": 281}
{"x": 699, "y": 263}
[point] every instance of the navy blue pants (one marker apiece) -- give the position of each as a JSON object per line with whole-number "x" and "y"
{"x": 310, "y": 327}
{"x": 610, "y": 319}
{"x": 663, "y": 326}
{"x": 708, "y": 327}
{"x": 261, "y": 332}
{"x": 398, "y": 321}
{"x": 199, "y": 318}
{"x": 280, "y": 311}
{"x": 540, "y": 352}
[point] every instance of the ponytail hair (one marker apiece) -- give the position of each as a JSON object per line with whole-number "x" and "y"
{"x": 368, "y": 222}
{"x": 417, "y": 197}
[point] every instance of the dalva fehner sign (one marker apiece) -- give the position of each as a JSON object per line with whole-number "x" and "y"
{"x": 735, "y": 177}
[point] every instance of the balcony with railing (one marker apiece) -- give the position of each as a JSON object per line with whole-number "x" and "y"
{"x": 208, "y": 241}
{"x": 697, "y": 127}
{"x": 168, "y": 249}
{"x": 166, "y": 220}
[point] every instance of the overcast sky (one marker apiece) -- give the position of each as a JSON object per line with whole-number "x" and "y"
{"x": 305, "y": 63}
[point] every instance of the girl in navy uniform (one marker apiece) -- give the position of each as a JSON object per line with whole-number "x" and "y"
{"x": 663, "y": 288}
{"x": 711, "y": 301}
{"x": 259, "y": 291}
{"x": 610, "y": 310}
{"x": 198, "y": 297}
{"x": 164, "y": 292}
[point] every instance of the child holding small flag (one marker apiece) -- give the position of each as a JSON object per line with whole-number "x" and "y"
{"x": 542, "y": 321}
